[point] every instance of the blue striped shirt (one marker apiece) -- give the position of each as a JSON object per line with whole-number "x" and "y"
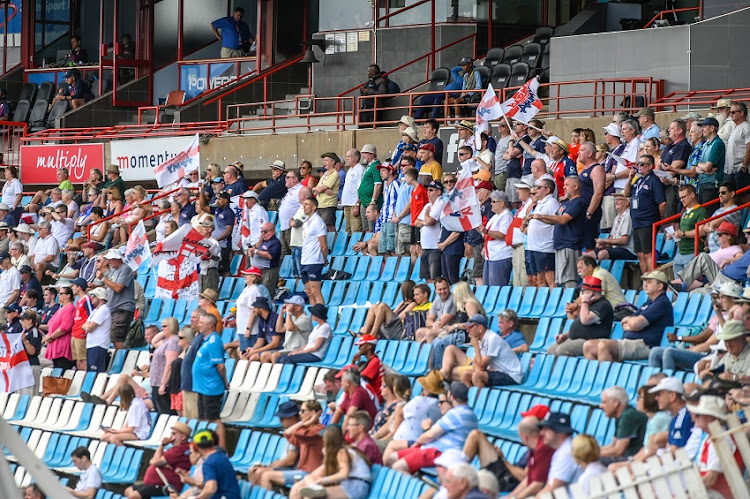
{"x": 390, "y": 196}
{"x": 457, "y": 424}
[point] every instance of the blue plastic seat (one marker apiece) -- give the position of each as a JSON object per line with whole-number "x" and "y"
{"x": 154, "y": 310}
{"x": 389, "y": 269}
{"x": 286, "y": 267}
{"x": 376, "y": 263}
{"x": 340, "y": 247}
{"x": 353, "y": 239}
{"x": 402, "y": 272}
{"x": 415, "y": 271}
{"x": 227, "y": 286}
{"x": 524, "y": 310}
{"x": 567, "y": 297}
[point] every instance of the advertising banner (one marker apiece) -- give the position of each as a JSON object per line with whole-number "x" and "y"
{"x": 137, "y": 158}
{"x": 200, "y": 77}
{"x": 40, "y": 163}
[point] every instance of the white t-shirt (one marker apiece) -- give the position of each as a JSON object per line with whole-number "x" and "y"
{"x": 630, "y": 153}
{"x": 296, "y": 238}
{"x": 504, "y": 359}
{"x": 312, "y": 254}
{"x": 10, "y": 281}
{"x": 62, "y": 231}
{"x": 298, "y": 339}
{"x": 99, "y": 337}
{"x": 10, "y": 191}
{"x": 91, "y": 478}
{"x": 73, "y": 206}
{"x": 621, "y": 226}
{"x": 430, "y": 234}
{"x": 349, "y": 196}
{"x": 415, "y": 411}
{"x": 245, "y": 306}
{"x": 496, "y": 249}
{"x": 288, "y": 206}
{"x": 256, "y": 217}
{"x": 593, "y": 469}
{"x": 320, "y": 331}
{"x": 736, "y": 147}
{"x": 563, "y": 467}
{"x": 139, "y": 418}
{"x": 540, "y": 233}
{"x": 45, "y": 247}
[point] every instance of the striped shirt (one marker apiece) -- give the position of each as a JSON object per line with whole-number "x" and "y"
{"x": 390, "y": 196}
{"x": 457, "y": 424}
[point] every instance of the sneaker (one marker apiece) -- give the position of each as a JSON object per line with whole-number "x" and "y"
{"x": 313, "y": 490}
{"x": 86, "y": 397}
{"x": 98, "y": 400}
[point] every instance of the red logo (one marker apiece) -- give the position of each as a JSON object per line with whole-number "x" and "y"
{"x": 39, "y": 163}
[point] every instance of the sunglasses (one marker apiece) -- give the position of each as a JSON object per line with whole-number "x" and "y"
{"x": 644, "y": 164}
{"x": 449, "y": 181}
{"x": 180, "y": 337}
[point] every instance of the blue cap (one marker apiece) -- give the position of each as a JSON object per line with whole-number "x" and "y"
{"x": 13, "y": 307}
{"x": 409, "y": 147}
{"x": 557, "y": 422}
{"x": 216, "y": 180}
{"x": 287, "y": 410}
{"x": 82, "y": 283}
{"x": 709, "y": 121}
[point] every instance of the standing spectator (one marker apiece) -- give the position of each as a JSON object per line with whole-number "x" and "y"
{"x": 32, "y": 343}
{"x": 370, "y": 191}
{"x": 501, "y": 162}
{"x": 558, "y": 434}
{"x": 224, "y": 221}
{"x": 629, "y": 130}
{"x": 593, "y": 181}
{"x": 59, "y": 332}
{"x": 253, "y": 219}
{"x": 219, "y": 478}
{"x": 429, "y": 136}
{"x": 234, "y": 182}
{"x": 450, "y": 243}
{"x": 209, "y": 374}
{"x": 522, "y": 274}
{"x": 562, "y": 166}
{"x": 408, "y": 130}
{"x": 685, "y": 232}
{"x": 326, "y": 191}
{"x": 29, "y": 282}
{"x": 465, "y": 129}
{"x": 317, "y": 342}
{"x": 726, "y": 125}
{"x": 738, "y": 148}
{"x": 209, "y": 264}
{"x": 287, "y": 208}
{"x": 630, "y": 425}
{"x": 646, "y": 121}
{"x": 236, "y": 37}
{"x": 189, "y": 395}
{"x": 10, "y": 283}
{"x": 138, "y": 423}
{"x": 643, "y": 330}
{"x": 402, "y": 216}
{"x": 12, "y": 193}
{"x": 207, "y": 301}
{"x": 670, "y": 397}
{"x": 244, "y": 316}
{"x": 498, "y": 255}
{"x": 676, "y": 154}
{"x": 429, "y": 232}
{"x": 91, "y": 478}
{"x": 85, "y": 267}
{"x": 387, "y": 243}
{"x": 314, "y": 251}
{"x": 84, "y": 307}
{"x": 97, "y": 328}
{"x": 619, "y": 244}
{"x": 616, "y": 172}
{"x": 647, "y": 205}
{"x": 296, "y": 238}
{"x": 594, "y": 321}
{"x": 176, "y": 401}
{"x": 541, "y": 234}
{"x": 474, "y": 239}
{"x": 710, "y": 165}
{"x": 305, "y": 171}
{"x": 349, "y": 196}
{"x": 166, "y": 350}
{"x": 430, "y": 168}
{"x": 569, "y": 227}
{"x": 267, "y": 257}
{"x": 50, "y": 306}
{"x": 118, "y": 281}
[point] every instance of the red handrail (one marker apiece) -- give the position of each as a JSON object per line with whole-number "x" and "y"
{"x": 150, "y": 201}
{"x": 660, "y": 15}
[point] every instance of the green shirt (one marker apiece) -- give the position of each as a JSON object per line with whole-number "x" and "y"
{"x": 66, "y": 184}
{"x": 118, "y": 183}
{"x": 713, "y": 151}
{"x": 367, "y": 184}
{"x": 631, "y": 424}
{"x": 689, "y": 218}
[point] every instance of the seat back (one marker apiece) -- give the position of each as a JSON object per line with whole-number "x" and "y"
{"x": 485, "y": 74}
{"x": 22, "y": 111}
{"x": 544, "y": 60}
{"x": 513, "y": 54}
{"x": 175, "y": 98}
{"x": 28, "y": 92}
{"x": 500, "y": 76}
{"x": 439, "y": 79}
{"x": 38, "y": 116}
{"x": 58, "y": 110}
{"x": 494, "y": 57}
{"x": 46, "y": 92}
{"x": 519, "y": 74}
{"x": 543, "y": 34}
{"x": 532, "y": 54}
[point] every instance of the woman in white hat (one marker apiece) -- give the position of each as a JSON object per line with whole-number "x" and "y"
{"x": 243, "y": 314}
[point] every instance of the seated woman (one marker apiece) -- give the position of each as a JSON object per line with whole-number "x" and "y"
{"x": 67, "y": 198}
{"x": 586, "y": 453}
{"x": 396, "y": 392}
{"x": 138, "y": 423}
{"x": 140, "y": 388}
{"x": 382, "y": 322}
{"x": 727, "y": 253}
{"x": 84, "y": 218}
{"x": 344, "y": 474}
{"x": 139, "y": 209}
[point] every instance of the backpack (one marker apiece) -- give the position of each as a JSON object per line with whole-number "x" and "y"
{"x": 391, "y": 87}
{"x": 136, "y": 337}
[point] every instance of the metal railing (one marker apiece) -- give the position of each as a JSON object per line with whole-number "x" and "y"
{"x": 76, "y": 135}
{"x": 660, "y": 15}
{"x": 716, "y": 217}
{"x": 11, "y": 136}
{"x": 255, "y": 116}
{"x": 700, "y": 98}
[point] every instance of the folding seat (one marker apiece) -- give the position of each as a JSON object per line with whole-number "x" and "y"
{"x": 500, "y": 76}
{"x": 540, "y": 342}
{"x": 344, "y": 320}
{"x": 618, "y": 267}
{"x": 567, "y": 297}
{"x": 340, "y": 247}
{"x": 579, "y": 417}
{"x": 513, "y": 54}
{"x": 240, "y": 448}
{"x": 337, "y": 294}
{"x": 353, "y": 239}
{"x": 415, "y": 271}
{"x": 67, "y": 417}
{"x": 150, "y": 289}
{"x": 238, "y": 376}
{"x": 36, "y": 403}
{"x": 421, "y": 364}
{"x": 527, "y": 302}
{"x": 279, "y": 378}
{"x": 285, "y": 270}
{"x": 376, "y": 263}
{"x": 704, "y": 313}
{"x": 402, "y": 272}
{"x": 358, "y": 320}
{"x": 486, "y": 404}
{"x": 363, "y": 263}
{"x": 391, "y": 295}
{"x": 226, "y": 288}
{"x": 250, "y": 376}
{"x": 389, "y": 269}
{"x": 543, "y": 34}
{"x": 502, "y": 300}
{"x": 679, "y": 306}
{"x": 519, "y": 74}
{"x": 154, "y": 309}
{"x": 514, "y": 300}
{"x": 532, "y": 54}
{"x": 494, "y": 57}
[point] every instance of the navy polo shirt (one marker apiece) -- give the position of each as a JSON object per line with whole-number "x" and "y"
{"x": 570, "y": 235}
{"x": 659, "y": 315}
{"x": 645, "y": 197}
{"x": 236, "y": 188}
{"x": 679, "y": 151}
{"x": 186, "y": 369}
{"x": 186, "y": 214}
{"x": 273, "y": 246}
{"x": 537, "y": 145}
{"x": 275, "y": 189}
{"x": 223, "y": 218}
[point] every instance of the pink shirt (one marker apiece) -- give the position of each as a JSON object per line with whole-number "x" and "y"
{"x": 60, "y": 346}
{"x": 721, "y": 255}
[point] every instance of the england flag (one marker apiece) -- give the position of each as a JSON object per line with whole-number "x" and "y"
{"x": 525, "y": 102}
{"x": 461, "y": 209}
{"x": 489, "y": 109}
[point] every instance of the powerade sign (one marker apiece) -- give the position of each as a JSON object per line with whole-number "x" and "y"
{"x": 55, "y": 10}
{"x": 198, "y": 78}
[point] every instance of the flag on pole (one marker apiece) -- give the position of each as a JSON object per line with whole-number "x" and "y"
{"x": 525, "y": 102}
{"x": 15, "y": 370}
{"x": 488, "y": 109}
{"x": 173, "y": 169}
{"x": 137, "y": 251}
{"x": 461, "y": 209}
{"x": 176, "y": 259}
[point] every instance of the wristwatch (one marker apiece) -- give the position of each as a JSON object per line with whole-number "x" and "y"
{"x": 679, "y": 338}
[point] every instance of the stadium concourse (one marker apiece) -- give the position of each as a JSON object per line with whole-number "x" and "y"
{"x": 305, "y": 357}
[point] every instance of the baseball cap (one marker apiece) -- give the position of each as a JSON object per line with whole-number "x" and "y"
{"x": 13, "y": 307}
{"x": 613, "y": 129}
{"x": 709, "y": 121}
{"x": 692, "y": 115}
{"x": 25, "y": 269}
{"x": 70, "y": 73}
{"x": 224, "y": 195}
{"x": 409, "y": 147}
{"x": 295, "y": 300}
{"x": 427, "y": 147}
{"x": 91, "y": 245}
{"x": 435, "y": 184}
{"x": 82, "y": 283}
{"x": 646, "y": 111}
{"x": 669, "y": 385}
{"x": 261, "y": 302}
{"x": 218, "y": 180}
{"x": 385, "y": 166}
{"x": 539, "y": 411}
{"x": 476, "y": 319}
{"x": 450, "y": 458}
{"x": 466, "y": 60}
{"x": 287, "y": 409}
{"x": 485, "y": 185}
{"x": 4, "y": 255}
{"x": 657, "y": 275}
{"x": 252, "y": 271}
{"x": 557, "y": 422}
{"x": 113, "y": 254}
{"x": 366, "y": 339}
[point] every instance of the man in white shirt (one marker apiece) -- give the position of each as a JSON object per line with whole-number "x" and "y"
{"x": 314, "y": 251}
{"x": 253, "y": 219}
{"x": 629, "y": 131}
{"x": 63, "y": 226}
{"x": 737, "y": 156}
{"x": 540, "y": 234}
{"x": 97, "y": 329}
{"x": 557, "y": 433}
{"x": 295, "y": 238}
{"x": 46, "y": 251}
{"x": 430, "y": 266}
{"x": 90, "y": 480}
{"x": 349, "y": 196}
{"x": 10, "y": 283}
{"x": 287, "y": 208}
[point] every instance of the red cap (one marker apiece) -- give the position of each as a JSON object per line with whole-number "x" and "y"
{"x": 540, "y": 411}
{"x": 343, "y": 370}
{"x": 592, "y": 283}
{"x": 727, "y": 228}
{"x": 385, "y": 166}
{"x": 485, "y": 185}
{"x": 252, "y": 271}
{"x": 428, "y": 147}
{"x": 366, "y": 339}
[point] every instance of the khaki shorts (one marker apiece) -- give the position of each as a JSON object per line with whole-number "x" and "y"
{"x": 78, "y": 345}
{"x": 633, "y": 350}
{"x": 404, "y": 239}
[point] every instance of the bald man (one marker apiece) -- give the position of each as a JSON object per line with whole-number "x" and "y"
{"x": 267, "y": 256}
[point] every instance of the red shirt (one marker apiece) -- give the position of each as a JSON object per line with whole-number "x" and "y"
{"x": 361, "y": 400}
{"x": 418, "y": 201}
{"x": 539, "y": 462}
{"x": 573, "y": 148}
{"x": 178, "y": 456}
{"x": 370, "y": 449}
{"x": 84, "y": 307}
{"x": 373, "y": 373}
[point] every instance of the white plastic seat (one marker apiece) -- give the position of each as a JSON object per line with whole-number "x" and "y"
{"x": 74, "y": 419}
{"x": 41, "y": 447}
{"x": 11, "y": 406}
{"x": 245, "y": 412}
{"x": 230, "y": 401}
{"x": 273, "y": 378}
{"x": 162, "y": 428}
{"x": 100, "y": 382}
{"x": 238, "y": 376}
{"x": 48, "y": 418}
{"x": 32, "y": 411}
{"x": 262, "y": 377}
{"x": 76, "y": 383}
{"x": 63, "y": 421}
{"x": 95, "y": 422}
{"x": 250, "y": 376}
{"x": 306, "y": 389}
{"x": 130, "y": 361}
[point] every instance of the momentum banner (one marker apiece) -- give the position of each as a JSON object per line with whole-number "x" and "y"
{"x": 137, "y": 158}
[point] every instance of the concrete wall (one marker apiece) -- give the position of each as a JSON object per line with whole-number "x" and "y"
{"x": 717, "y": 52}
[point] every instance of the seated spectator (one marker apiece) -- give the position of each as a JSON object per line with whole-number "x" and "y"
{"x": 619, "y": 244}
{"x": 5, "y": 107}
{"x": 467, "y": 306}
{"x": 317, "y": 343}
{"x": 289, "y": 415}
{"x": 594, "y": 321}
{"x": 726, "y": 195}
{"x": 702, "y": 449}
{"x": 138, "y": 423}
{"x": 33, "y": 492}
{"x": 74, "y": 90}
{"x": 630, "y": 425}
{"x": 442, "y": 312}
{"x": 62, "y": 226}
{"x": 370, "y": 366}
{"x": 462, "y": 482}
{"x": 694, "y": 274}
{"x": 268, "y": 338}
{"x": 219, "y": 478}
{"x": 472, "y": 80}
{"x": 444, "y": 462}
{"x": 304, "y": 441}
{"x": 358, "y": 427}
{"x": 91, "y": 478}
{"x": 7, "y": 219}
{"x": 690, "y": 349}
{"x": 141, "y": 389}
{"x": 274, "y": 188}
{"x": 18, "y": 256}
{"x": 586, "y": 452}
{"x": 396, "y": 392}
{"x": 30, "y": 283}
{"x": 46, "y": 251}
{"x": 450, "y": 431}
{"x": 494, "y": 362}
{"x": 370, "y": 247}
{"x": 643, "y": 331}
{"x": 376, "y": 84}
{"x": 167, "y": 461}
{"x": 382, "y": 322}
{"x": 436, "y": 99}
{"x": 558, "y": 434}
{"x": 427, "y": 405}
{"x": 296, "y": 326}
{"x": 356, "y": 397}
{"x": 735, "y": 365}
{"x": 670, "y": 396}
{"x": 344, "y": 472}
